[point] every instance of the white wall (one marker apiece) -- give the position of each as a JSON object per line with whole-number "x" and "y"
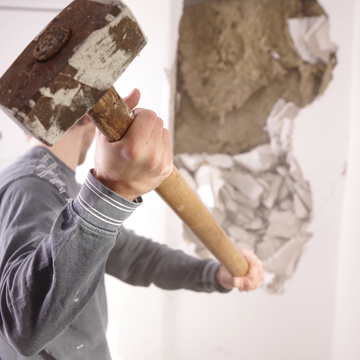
{"x": 317, "y": 318}
{"x": 347, "y": 319}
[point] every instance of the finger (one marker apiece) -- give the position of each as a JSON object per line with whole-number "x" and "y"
{"x": 132, "y": 99}
{"x": 155, "y": 138}
{"x": 242, "y": 283}
{"x": 256, "y": 276}
{"x": 160, "y": 146}
{"x": 253, "y": 279}
{"x": 166, "y": 153}
{"x": 141, "y": 128}
{"x": 167, "y": 149}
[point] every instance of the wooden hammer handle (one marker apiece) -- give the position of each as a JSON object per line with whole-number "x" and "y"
{"x": 113, "y": 117}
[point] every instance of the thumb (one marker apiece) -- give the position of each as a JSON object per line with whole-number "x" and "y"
{"x": 132, "y": 99}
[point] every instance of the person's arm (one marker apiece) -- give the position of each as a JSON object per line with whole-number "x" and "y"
{"x": 139, "y": 261}
{"x": 50, "y": 269}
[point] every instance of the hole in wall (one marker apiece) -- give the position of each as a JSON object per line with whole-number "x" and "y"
{"x": 235, "y": 115}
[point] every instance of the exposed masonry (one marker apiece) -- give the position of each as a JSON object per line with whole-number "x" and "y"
{"x": 236, "y": 58}
{"x": 258, "y": 193}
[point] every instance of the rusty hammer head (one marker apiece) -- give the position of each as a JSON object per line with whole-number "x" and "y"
{"x": 63, "y": 72}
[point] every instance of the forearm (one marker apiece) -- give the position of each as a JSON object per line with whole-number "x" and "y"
{"x": 140, "y": 261}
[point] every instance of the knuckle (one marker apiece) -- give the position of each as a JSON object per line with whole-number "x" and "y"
{"x": 151, "y": 115}
{"x": 159, "y": 122}
{"x": 130, "y": 152}
{"x": 166, "y": 135}
{"x": 153, "y": 163}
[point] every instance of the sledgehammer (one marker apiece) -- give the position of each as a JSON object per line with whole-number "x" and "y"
{"x": 69, "y": 70}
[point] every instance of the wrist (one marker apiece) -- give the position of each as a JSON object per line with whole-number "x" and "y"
{"x": 117, "y": 187}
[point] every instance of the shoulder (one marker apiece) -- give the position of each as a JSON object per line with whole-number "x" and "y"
{"x": 37, "y": 169}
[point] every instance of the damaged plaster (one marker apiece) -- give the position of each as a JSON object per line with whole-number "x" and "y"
{"x": 245, "y": 69}
{"x": 236, "y": 58}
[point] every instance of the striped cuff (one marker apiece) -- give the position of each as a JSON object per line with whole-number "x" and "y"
{"x": 101, "y": 207}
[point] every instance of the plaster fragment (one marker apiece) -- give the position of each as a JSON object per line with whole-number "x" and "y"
{"x": 284, "y": 262}
{"x": 283, "y": 224}
{"x": 203, "y": 175}
{"x": 259, "y": 159}
{"x": 286, "y": 204}
{"x": 279, "y": 125}
{"x": 310, "y": 36}
{"x": 273, "y": 192}
{"x": 242, "y": 236}
{"x": 247, "y": 185}
{"x": 191, "y": 162}
{"x": 220, "y": 160}
{"x": 300, "y": 209}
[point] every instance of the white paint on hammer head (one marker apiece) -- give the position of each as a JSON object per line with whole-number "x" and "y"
{"x": 62, "y": 97}
{"x": 97, "y": 61}
{"x": 99, "y": 68}
{"x": 52, "y": 135}
{"x": 35, "y": 126}
{"x": 110, "y": 18}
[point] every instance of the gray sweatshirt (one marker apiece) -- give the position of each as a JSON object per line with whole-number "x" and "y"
{"x": 57, "y": 240}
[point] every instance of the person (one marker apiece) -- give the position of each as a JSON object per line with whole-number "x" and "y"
{"x": 58, "y": 239}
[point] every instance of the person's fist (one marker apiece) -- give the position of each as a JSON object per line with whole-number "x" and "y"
{"x": 251, "y": 281}
{"x": 141, "y": 160}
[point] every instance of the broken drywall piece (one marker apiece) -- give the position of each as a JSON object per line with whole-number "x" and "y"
{"x": 247, "y": 239}
{"x": 262, "y": 211}
{"x": 273, "y": 191}
{"x": 259, "y": 159}
{"x": 295, "y": 171}
{"x": 279, "y": 125}
{"x": 286, "y": 204}
{"x": 224, "y": 161}
{"x": 228, "y": 191}
{"x": 284, "y": 262}
{"x": 246, "y": 184}
{"x": 268, "y": 246}
{"x": 304, "y": 194}
{"x": 283, "y": 224}
{"x": 300, "y": 209}
{"x": 310, "y": 36}
{"x": 203, "y": 175}
{"x": 192, "y": 162}
{"x": 262, "y": 206}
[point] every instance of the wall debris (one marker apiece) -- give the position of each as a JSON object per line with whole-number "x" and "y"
{"x": 245, "y": 69}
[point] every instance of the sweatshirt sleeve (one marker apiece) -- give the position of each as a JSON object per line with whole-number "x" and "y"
{"x": 139, "y": 261}
{"x": 52, "y": 256}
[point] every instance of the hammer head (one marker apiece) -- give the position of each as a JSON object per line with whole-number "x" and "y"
{"x": 72, "y": 63}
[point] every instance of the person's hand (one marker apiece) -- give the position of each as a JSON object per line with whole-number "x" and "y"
{"x": 251, "y": 281}
{"x": 141, "y": 160}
